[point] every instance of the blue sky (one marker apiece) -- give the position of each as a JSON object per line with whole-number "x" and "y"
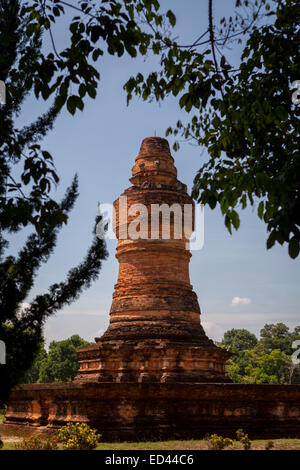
{"x": 101, "y": 144}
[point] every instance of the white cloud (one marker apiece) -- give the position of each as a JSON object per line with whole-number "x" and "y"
{"x": 240, "y": 301}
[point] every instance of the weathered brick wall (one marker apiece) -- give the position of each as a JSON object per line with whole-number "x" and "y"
{"x": 128, "y": 411}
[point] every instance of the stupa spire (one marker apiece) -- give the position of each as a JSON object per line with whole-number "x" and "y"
{"x": 154, "y": 163}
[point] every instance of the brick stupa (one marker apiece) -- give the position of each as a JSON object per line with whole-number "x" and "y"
{"x": 155, "y": 334}
{"x": 154, "y": 374}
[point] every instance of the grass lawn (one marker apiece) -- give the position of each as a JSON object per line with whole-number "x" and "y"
{"x": 279, "y": 444}
{"x": 10, "y": 439}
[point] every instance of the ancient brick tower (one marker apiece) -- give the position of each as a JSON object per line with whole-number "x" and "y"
{"x": 144, "y": 378}
{"x": 155, "y": 334}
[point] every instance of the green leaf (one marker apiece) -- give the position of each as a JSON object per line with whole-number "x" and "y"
{"x": 82, "y": 90}
{"x": 26, "y": 178}
{"x": 60, "y": 100}
{"x": 71, "y": 105}
{"x": 223, "y": 61}
{"x": 91, "y": 91}
{"x": 271, "y": 240}
{"x": 176, "y": 146}
{"x": 46, "y": 155}
{"x": 172, "y": 17}
{"x": 235, "y": 219}
{"x": 294, "y": 247}
{"x": 183, "y": 100}
{"x": 228, "y": 223}
{"x": 260, "y": 210}
{"x": 43, "y": 184}
{"x": 79, "y": 103}
{"x": 96, "y": 54}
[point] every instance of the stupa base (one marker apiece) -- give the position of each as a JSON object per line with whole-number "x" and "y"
{"x": 152, "y": 360}
{"x": 156, "y": 411}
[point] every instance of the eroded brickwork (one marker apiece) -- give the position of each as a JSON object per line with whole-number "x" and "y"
{"x": 142, "y": 411}
{"x": 155, "y": 332}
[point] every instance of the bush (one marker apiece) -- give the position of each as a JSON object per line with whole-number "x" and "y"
{"x": 30, "y": 443}
{"x": 50, "y": 443}
{"x": 269, "y": 445}
{"x": 239, "y": 434}
{"x": 244, "y": 439}
{"x": 78, "y": 436}
{"x": 1, "y": 443}
{"x": 218, "y": 442}
{"x": 37, "y": 443}
{"x": 246, "y": 442}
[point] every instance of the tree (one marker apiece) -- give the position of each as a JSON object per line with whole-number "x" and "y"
{"x": 27, "y": 172}
{"x": 265, "y": 361}
{"x": 258, "y": 366}
{"x": 236, "y": 341}
{"x": 32, "y": 374}
{"x": 243, "y": 113}
{"x": 64, "y": 78}
{"x": 278, "y": 336}
{"x": 269, "y": 368}
{"x": 61, "y": 362}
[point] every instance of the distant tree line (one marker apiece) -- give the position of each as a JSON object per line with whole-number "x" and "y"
{"x": 264, "y": 360}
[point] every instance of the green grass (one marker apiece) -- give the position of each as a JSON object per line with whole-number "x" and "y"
{"x": 8, "y": 447}
{"x": 279, "y": 444}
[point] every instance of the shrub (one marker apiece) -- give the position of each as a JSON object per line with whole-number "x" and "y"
{"x": 78, "y": 436}
{"x": 50, "y": 443}
{"x": 218, "y": 442}
{"x": 1, "y": 443}
{"x": 269, "y": 445}
{"x": 244, "y": 439}
{"x": 246, "y": 442}
{"x": 30, "y": 443}
{"x": 37, "y": 443}
{"x": 239, "y": 434}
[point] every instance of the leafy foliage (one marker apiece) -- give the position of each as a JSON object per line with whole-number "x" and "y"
{"x": 66, "y": 77}
{"x": 32, "y": 374}
{"x": 244, "y": 439}
{"x": 238, "y": 340}
{"x": 78, "y": 436}
{"x": 218, "y": 442}
{"x": 267, "y": 360}
{"x": 243, "y": 115}
{"x": 20, "y": 329}
{"x": 269, "y": 445}
{"x": 37, "y": 443}
{"x": 278, "y": 336}
{"x": 60, "y": 364}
